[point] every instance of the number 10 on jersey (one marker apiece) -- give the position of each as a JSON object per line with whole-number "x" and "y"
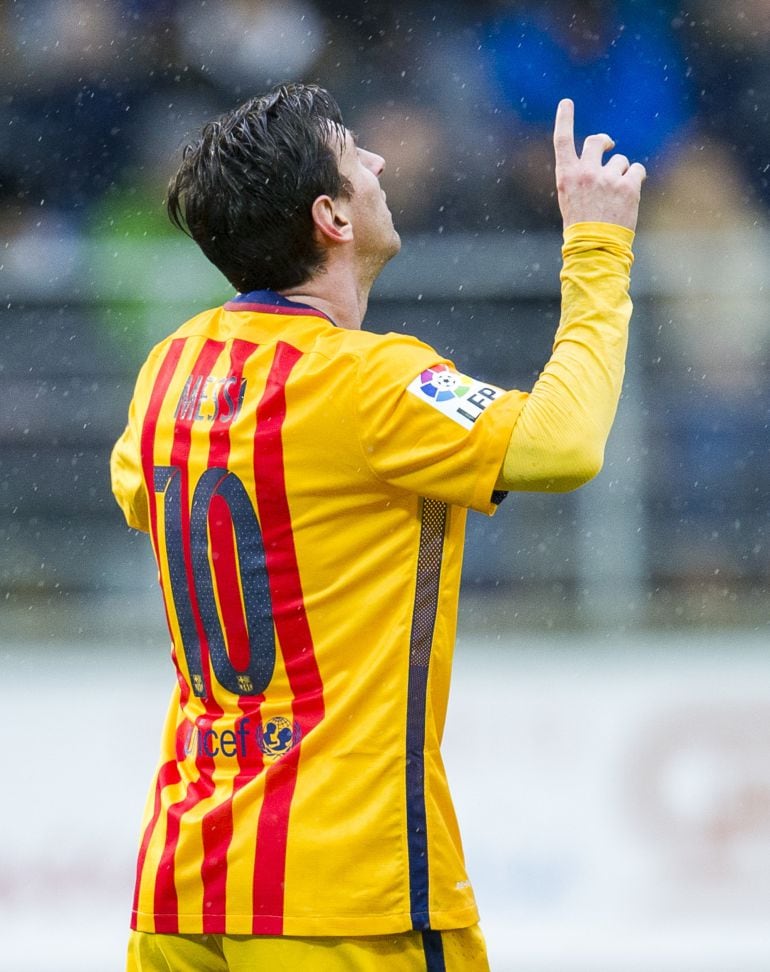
{"x": 218, "y": 578}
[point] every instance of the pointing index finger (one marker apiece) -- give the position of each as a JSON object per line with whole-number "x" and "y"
{"x": 564, "y": 132}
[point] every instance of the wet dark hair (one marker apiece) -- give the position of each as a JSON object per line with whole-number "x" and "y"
{"x": 246, "y": 185}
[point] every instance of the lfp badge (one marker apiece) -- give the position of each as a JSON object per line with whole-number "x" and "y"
{"x": 442, "y": 384}
{"x": 457, "y": 396}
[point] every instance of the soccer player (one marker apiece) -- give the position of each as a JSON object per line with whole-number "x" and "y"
{"x": 305, "y": 485}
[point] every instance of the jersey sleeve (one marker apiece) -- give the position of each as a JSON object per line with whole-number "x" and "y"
{"x": 427, "y": 428}
{"x": 558, "y": 442}
{"x": 128, "y": 486}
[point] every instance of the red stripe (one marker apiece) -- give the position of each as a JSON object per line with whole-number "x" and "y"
{"x": 294, "y": 637}
{"x": 169, "y": 772}
{"x": 147, "y": 449}
{"x": 217, "y": 824}
{"x": 160, "y": 388}
{"x": 166, "y": 899}
{"x": 228, "y": 582}
{"x": 221, "y": 528}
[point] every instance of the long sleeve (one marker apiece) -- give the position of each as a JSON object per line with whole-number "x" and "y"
{"x": 128, "y": 485}
{"x": 558, "y": 441}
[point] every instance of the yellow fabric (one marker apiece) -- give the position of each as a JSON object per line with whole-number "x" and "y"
{"x": 558, "y": 440}
{"x": 305, "y": 487}
{"x": 463, "y": 951}
{"x": 360, "y": 453}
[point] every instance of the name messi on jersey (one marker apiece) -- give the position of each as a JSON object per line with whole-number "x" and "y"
{"x": 207, "y": 398}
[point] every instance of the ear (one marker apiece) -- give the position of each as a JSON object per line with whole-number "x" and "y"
{"x": 331, "y": 219}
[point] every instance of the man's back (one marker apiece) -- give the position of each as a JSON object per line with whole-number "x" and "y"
{"x": 301, "y": 789}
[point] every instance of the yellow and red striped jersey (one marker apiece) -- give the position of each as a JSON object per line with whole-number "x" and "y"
{"x": 304, "y": 487}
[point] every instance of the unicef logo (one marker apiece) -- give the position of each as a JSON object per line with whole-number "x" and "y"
{"x": 277, "y": 736}
{"x": 441, "y": 384}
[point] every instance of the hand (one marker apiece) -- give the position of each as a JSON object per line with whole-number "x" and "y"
{"x": 589, "y": 191}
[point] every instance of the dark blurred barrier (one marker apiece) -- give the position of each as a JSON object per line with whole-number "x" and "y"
{"x": 674, "y": 529}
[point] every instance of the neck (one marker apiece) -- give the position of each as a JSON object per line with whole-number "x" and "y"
{"x": 339, "y": 292}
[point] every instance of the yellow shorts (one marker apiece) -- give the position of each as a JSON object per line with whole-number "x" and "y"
{"x": 459, "y": 950}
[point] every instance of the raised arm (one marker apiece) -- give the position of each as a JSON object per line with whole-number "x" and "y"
{"x": 559, "y": 438}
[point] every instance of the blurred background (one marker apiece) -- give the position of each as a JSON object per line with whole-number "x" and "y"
{"x": 608, "y": 737}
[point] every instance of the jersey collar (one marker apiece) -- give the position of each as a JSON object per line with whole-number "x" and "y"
{"x": 271, "y": 302}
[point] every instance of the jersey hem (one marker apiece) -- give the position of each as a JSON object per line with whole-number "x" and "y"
{"x": 303, "y": 926}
